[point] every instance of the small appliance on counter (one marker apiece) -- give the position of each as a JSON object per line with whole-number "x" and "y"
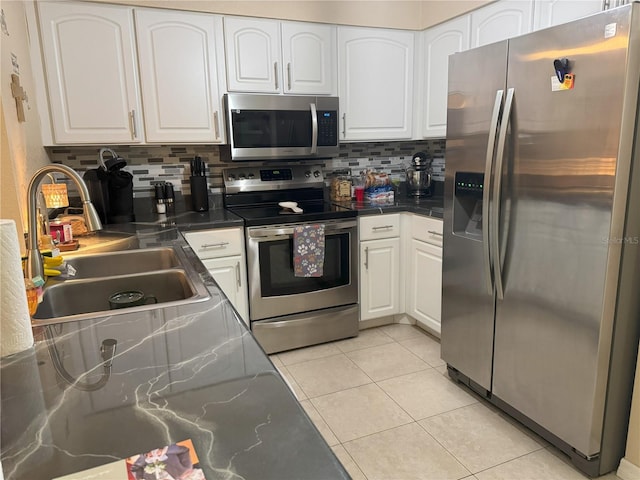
{"x": 419, "y": 176}
{"x": 111, "y": 188}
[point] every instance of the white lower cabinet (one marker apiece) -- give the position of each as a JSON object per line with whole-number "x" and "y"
{"x": 222, "y": 253}
{"x": 424, "y": 276}
{"x": 386, "y": 242}
{"x": 379, "y": 285}
{"x": 424, "y": 292}
{"x": 230, "y": 275}
{"x": 379, "y": 266}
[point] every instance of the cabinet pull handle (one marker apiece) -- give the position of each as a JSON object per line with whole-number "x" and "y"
{"x": 289, "y": 75}
{"x": 212, "y": 245}
{"x": 216, "y": 126}
{"x": 344, "y": 124}
{"x": 133, "y": 125}
{"x": 366, "y": 258}
{"x": 382, "y": 227}
{"x": 238, "y": 279}
{"x": 433, "y": 232}
{"x": 275, "y": 73}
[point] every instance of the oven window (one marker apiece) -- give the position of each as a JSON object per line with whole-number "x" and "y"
{"x": 276, "y": 267}
{"x": 271, "y": 128}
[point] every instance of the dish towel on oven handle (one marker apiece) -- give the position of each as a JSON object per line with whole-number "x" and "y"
{"x": 308, "y": 250}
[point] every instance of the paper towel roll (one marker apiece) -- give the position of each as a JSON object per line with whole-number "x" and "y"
{"x": 15, "y": 322}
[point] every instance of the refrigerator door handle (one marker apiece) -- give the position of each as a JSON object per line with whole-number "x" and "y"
{"x": 491, "y": 146}
{"x": 497, "y": 186}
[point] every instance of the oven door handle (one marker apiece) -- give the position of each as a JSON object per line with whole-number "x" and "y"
{"x": 288, "y": 230}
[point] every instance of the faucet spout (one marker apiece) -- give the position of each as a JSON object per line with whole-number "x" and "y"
{"x": 34, "y": 258}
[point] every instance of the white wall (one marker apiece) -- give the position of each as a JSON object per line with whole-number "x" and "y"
{"x": 22, "y": 151}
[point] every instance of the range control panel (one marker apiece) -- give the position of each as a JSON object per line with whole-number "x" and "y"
{"x": 255, "y": 179}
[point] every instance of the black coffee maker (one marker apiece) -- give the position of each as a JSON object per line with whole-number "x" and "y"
{"x": 111, "y": 188}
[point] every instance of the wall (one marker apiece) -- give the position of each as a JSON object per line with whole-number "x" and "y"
{"x": 22, "y": 151}
{"x": 404, "y": 14}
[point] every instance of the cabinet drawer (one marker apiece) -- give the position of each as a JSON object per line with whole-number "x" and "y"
{"x": 427, "y": 229}
{"x": 216, "y": 243}
{"x": 379, "y": 226}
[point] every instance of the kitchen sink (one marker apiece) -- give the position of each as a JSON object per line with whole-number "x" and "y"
{"x": 85, "y": 298}
{"x": 122, "y": 263}
{"x": 164, "y": 273}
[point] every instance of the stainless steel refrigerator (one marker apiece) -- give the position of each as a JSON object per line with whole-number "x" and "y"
{"x": 541, "y": 262}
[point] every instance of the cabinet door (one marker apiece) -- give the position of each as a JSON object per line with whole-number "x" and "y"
{"x": 375, "y": 83}
{"x": 252, "y": 47}
{"x": 231, "y": 276}
{"x": 424, "y": 302}
{"x": 439, "y": 43}
{"x": 90, "y": 64}
{"x": 308, "y": 58}
{"x": 178, "y": 76}
{"x": 379, "y": 278}
{"x": 555, "y": 12}
{"x": 501, "y": 20}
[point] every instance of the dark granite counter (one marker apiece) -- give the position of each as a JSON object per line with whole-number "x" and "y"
{"x": 431, "y": 206}
{"x": 181, "y": 372}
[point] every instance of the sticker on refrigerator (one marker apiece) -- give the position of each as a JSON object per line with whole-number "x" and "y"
{"x": 568, "y": 83}
{"x": 610, "y": 30}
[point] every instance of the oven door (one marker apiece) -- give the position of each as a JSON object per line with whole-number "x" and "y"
{"x": 274, "y": 290}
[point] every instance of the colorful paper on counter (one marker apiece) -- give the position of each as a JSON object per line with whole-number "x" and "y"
{"x": 177, "y": 461}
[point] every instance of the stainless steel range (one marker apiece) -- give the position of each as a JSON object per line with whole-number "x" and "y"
{"x": 289, "y": 311}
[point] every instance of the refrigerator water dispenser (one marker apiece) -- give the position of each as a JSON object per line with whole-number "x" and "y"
{"x": 467, "y": 206}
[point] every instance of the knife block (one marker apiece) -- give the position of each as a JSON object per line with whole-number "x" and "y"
{"x": 199, "y": 194}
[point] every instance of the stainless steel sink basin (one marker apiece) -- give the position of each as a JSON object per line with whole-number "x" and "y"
{"x": 164, "y": 273}
{"x": 123, "y": 262}
{"x": 92, "y": 296}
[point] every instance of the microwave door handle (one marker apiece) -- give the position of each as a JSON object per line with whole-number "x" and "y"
{"x": 314, "y": 128}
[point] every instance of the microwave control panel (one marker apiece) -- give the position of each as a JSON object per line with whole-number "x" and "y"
{"x": 327, "y": 128}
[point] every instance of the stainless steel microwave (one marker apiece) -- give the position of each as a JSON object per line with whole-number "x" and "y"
{"x": 278, "y": 127}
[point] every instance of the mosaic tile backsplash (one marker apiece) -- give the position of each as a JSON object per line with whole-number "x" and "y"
{"x": 170, "y": 163}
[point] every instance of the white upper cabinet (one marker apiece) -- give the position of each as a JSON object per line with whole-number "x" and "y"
{"x": 270, "y": 56}
{"x": 252, "y": 48}
{"x": 90, "y": 67}
{"x": 438, "y": 43}
{"x": 178, "y": 75}
{"x": 555, "y": 12}
{"x": 308, "y": 58}
{"x": 375, "y": 83}
{"x": 500, "y": 21}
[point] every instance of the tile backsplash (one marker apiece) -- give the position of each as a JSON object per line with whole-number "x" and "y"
{"x": 150, "y": 163}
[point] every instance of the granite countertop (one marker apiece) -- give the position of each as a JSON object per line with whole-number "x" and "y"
{"x": 182, "y": 372}
{"x": 430, "y": 206}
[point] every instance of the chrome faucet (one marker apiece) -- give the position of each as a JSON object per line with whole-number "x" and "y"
{"x": 34, "y": 257}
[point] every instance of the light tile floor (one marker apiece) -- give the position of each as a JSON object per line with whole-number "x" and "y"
{"x": 385, "y": 404}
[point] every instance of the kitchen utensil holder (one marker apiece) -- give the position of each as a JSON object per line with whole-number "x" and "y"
{"x": 199, "y": 194}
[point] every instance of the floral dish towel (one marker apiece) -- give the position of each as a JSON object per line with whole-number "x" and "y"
{"x": 308, "y": 250}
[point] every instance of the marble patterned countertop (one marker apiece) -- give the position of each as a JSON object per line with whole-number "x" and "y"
{"x": 181, "y": 372}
